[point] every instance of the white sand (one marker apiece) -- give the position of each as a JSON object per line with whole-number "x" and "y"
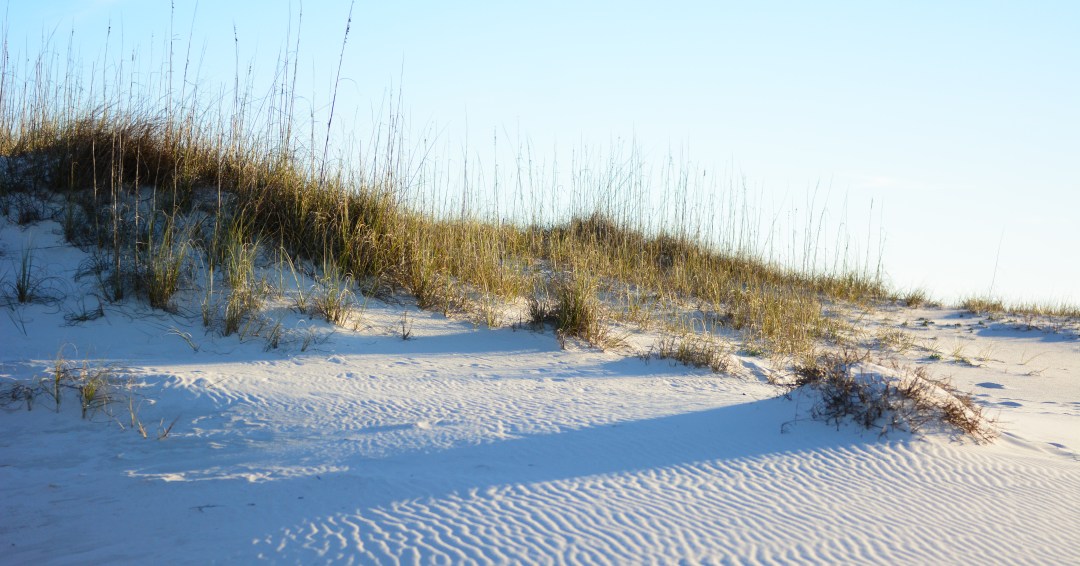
{"x": 466, "y": 445}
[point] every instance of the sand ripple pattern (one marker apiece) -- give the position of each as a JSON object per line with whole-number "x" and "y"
{"x": 516, "y": 452}
{"x": 864, "y": 503}
{"x": 548, "y": 457}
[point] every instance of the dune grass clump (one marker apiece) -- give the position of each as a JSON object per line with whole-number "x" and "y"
{"x": 542, "y": 309}
{"x": 570, "y": 305}
{"x": 29, "y": 282}
{"x": 784, "y": 321}
{"x": 245, "y": 292}
{"x": 27, "y": 285}
{"x": 915, "y": 298}
{"x": 165, "y": 259}
{"x": 702, "y": 350}
{"x": 982, "y": 305}
{"x": 332, "y": 297}
{"x": 578, "y": 313}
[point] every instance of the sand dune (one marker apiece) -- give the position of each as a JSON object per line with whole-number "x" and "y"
{"x": 468, "y": 445}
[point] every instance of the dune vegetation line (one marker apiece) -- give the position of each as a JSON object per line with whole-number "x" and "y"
{"x": 173, "y": 189}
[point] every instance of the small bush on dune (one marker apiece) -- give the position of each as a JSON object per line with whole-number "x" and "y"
{"x": 26, "y": 285}
{"x": 880, "y": 400}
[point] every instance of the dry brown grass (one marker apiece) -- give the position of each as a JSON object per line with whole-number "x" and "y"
{"x": 990, "y": 305}
{"x": 248, "y": 185}
{"x": 907, "y": 399}
{"x": 703, "y": 350}
{"x": 282, "y": 193}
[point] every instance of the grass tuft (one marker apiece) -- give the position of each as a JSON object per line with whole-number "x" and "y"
{"x": 333, "y": 298}
{"x": 703, "y": 350}
{"x": 578, "y": 313}
{"x": 164, "y": 263}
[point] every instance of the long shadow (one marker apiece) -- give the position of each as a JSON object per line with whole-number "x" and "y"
{"x": 1018, "y": 332}
{"x": 225, "y": 510}
{"x": 725, "y": 434}
{"x": 1014, "y": 329}
{"x": 736, "y": 432}
{"x": 351, "y": 481}
{"x": 159, "y": 342}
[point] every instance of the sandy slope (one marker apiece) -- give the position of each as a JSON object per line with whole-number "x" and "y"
{"x": 466, "y": 445}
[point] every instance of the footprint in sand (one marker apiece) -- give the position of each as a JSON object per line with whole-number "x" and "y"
{"x": 990, "y": 385}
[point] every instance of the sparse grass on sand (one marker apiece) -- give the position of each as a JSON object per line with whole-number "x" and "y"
{"x": 165, "y": 193}
{"x": 993, "y": 306}
{"x": 129, "y": 169}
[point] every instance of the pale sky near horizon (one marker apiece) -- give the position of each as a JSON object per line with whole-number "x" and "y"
{"x": 960, "y": 120}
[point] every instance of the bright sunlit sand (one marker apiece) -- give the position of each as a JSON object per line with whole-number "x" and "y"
{"x": 253, "y": 312}
{"x": 465, "y": 444}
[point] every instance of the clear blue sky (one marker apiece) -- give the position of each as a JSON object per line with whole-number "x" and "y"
{"x": 959, "y": 119}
